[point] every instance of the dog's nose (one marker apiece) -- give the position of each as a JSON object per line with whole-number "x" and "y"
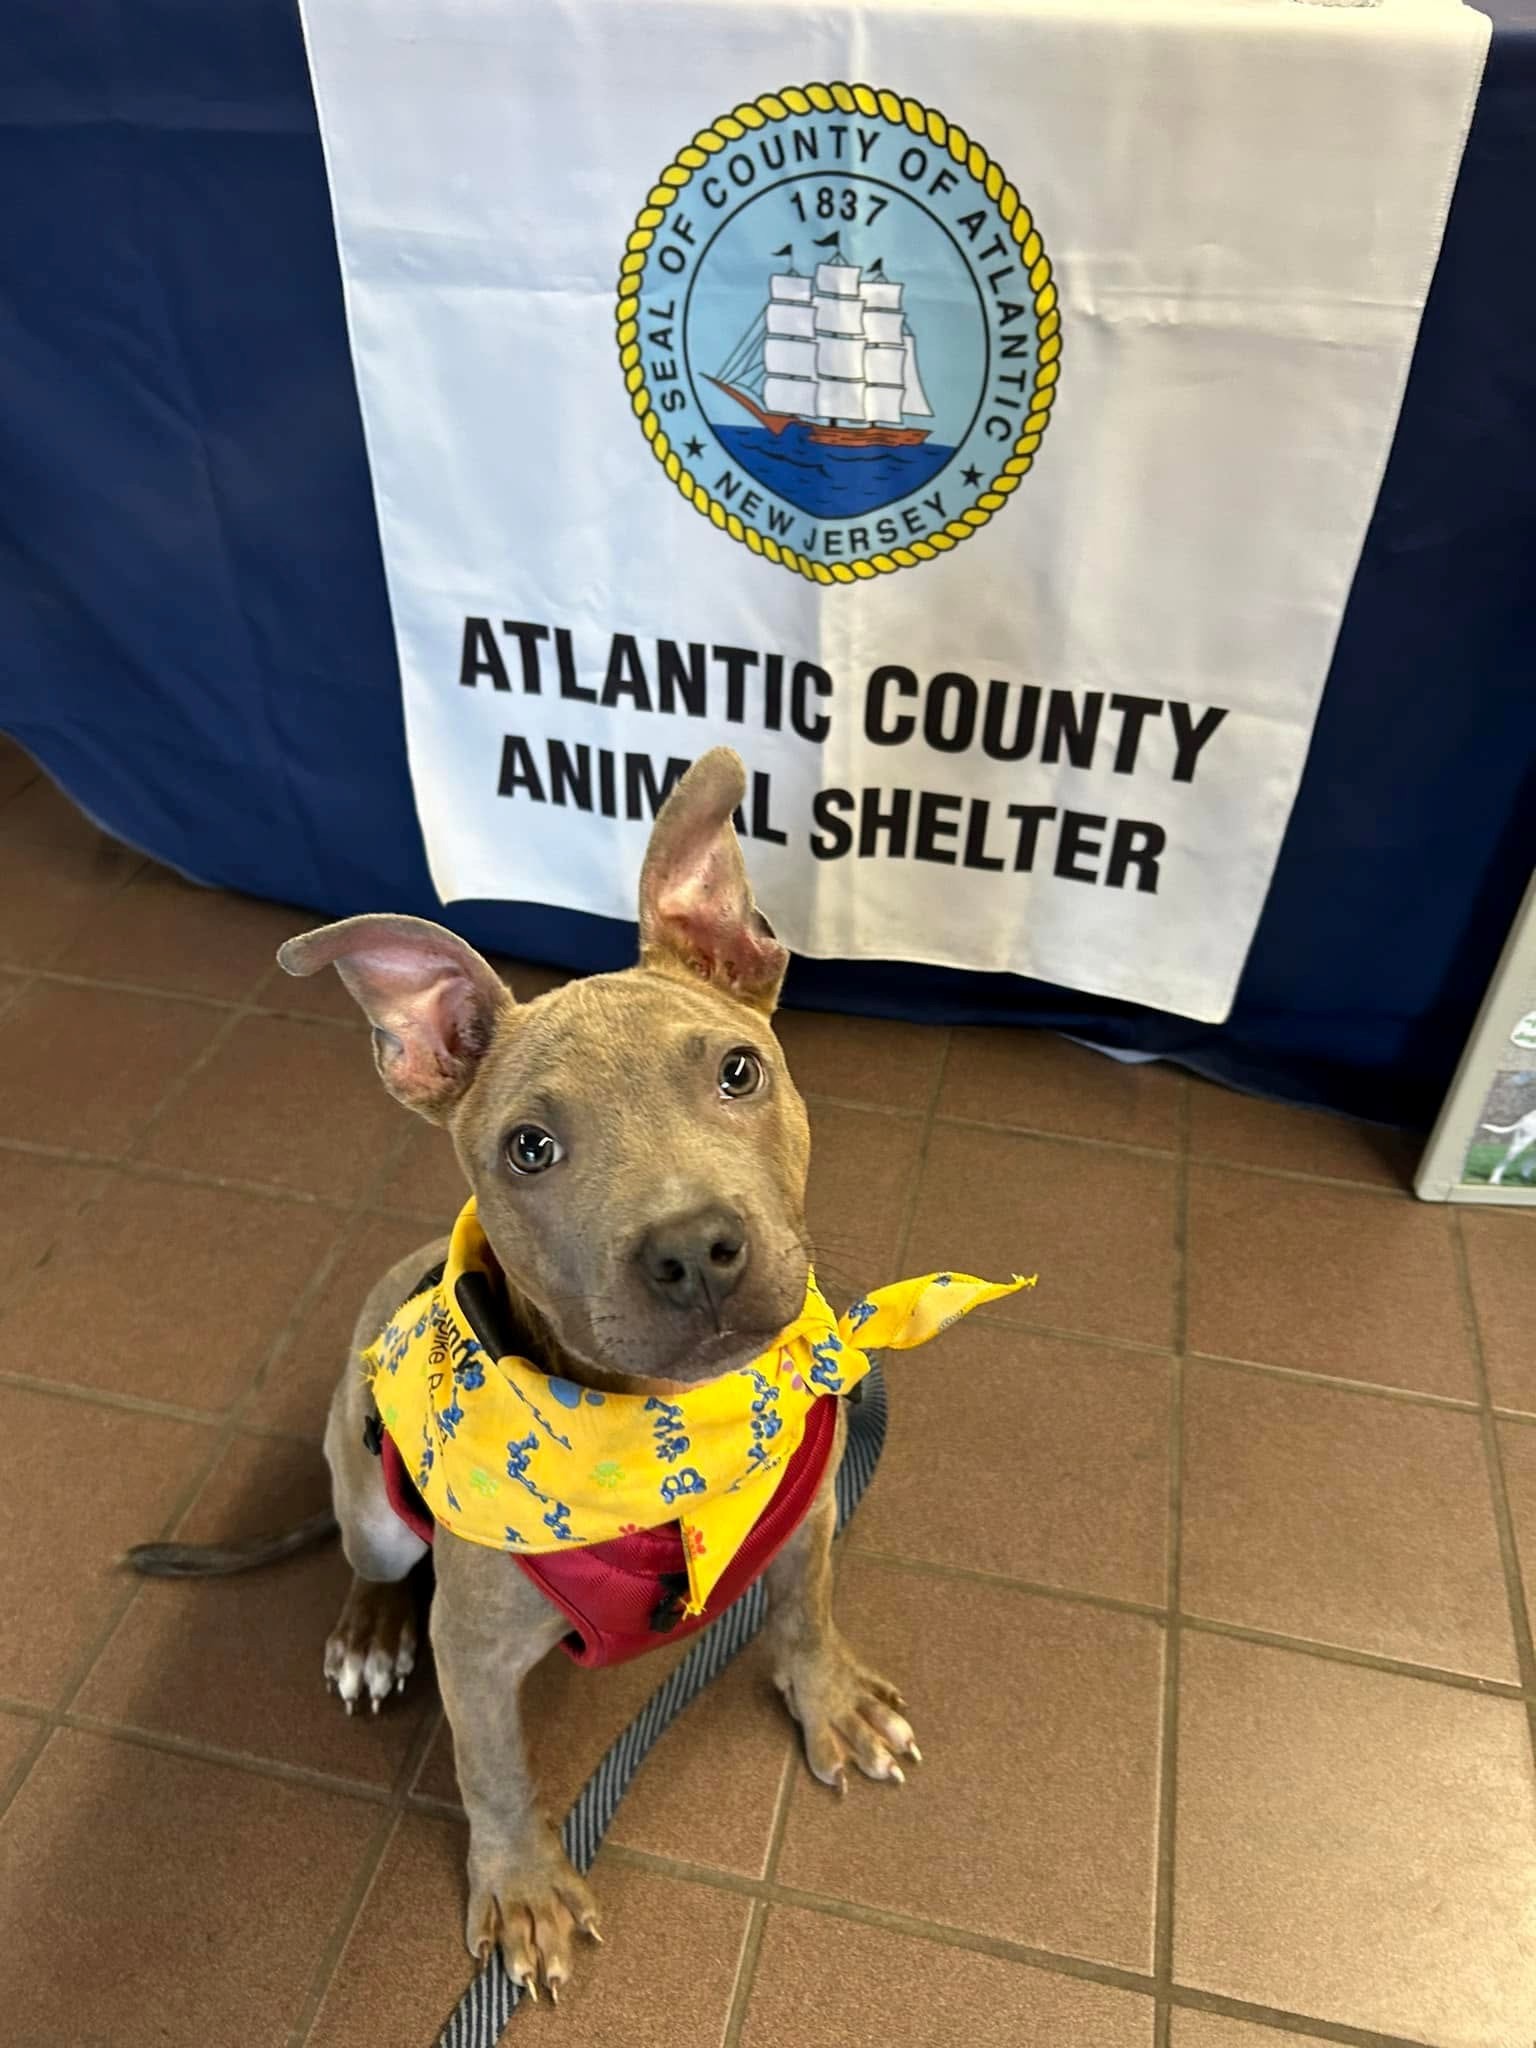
{"x": 696, "y": 1260}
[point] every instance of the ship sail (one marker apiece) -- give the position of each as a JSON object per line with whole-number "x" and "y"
{"x": 789, "y": 346}
{"x": 831, "y": 347}
{"x": 839, "y": 342}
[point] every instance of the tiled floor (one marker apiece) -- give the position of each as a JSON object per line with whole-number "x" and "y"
{"x": 1202, "y": 1564}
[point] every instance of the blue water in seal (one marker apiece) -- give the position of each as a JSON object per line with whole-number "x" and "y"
{"x": 828, "y": 482}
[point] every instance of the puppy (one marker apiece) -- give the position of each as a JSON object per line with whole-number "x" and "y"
{"x": 638, "y": 1156}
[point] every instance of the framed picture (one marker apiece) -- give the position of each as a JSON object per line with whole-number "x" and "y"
{"x": 1483, "y": 1147}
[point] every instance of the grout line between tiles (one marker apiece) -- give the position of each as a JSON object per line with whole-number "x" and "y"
{"x": 106, "y": 1397}
{"x": 1341, "y": 1653}
{"x": 1058, "y": 1333}
{"x": 1168, "y": 1774}
{"x": 752, "y": 1939}
{"x": 151, "y": 1169}
{"x": 222, "y": 1435}
{"x": 249, "y": 1004}
{"x": 271, "y": 1768}
{"x": 746, "y": 1974}
{"x": 775, "y": 1894}
{"x": 364, "y": 1878}
{"x": 920, "y": 1164}
{"x": 1493, "y": 1453}
{"x": 1107, "y": 1603}
{"x": 21, "y": 1769}
{"x": 1414, "y": 1396}
{"x": 1168, "y": 1153}
{"x": 1177, "y": 1997}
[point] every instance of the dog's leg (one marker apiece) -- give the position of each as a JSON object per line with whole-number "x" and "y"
{"x": 845, "y": 1711}
{"x": 490, "y": 1626}
{"x": 371, "y": 1651}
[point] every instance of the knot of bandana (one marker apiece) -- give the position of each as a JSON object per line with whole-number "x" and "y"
{"x": 516, "y": 1459}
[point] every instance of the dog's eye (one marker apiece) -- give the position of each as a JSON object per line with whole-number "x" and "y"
{"x": 741, "y": 1072}
{"x": 530, "y": 1150}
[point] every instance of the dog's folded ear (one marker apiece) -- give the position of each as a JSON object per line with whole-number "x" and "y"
{"x": 434, "y": 1004}
{"x": 697, "y": 915}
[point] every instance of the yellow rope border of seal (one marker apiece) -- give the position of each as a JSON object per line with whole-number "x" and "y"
{"x": 933, "y": 128}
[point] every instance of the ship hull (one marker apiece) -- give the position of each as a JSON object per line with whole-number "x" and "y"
{"x": 827, "y": 436}
{"x": 867, "y": 437}
{"x": 775, "y": 422}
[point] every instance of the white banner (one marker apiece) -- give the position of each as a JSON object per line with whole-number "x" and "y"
{"x": 971, "y": 413}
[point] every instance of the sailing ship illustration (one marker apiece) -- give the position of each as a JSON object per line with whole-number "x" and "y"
{"x": 833, "y": 352}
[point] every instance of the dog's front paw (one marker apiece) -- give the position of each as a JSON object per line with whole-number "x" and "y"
{"x": 371, "y": 1651}
{"x": 847, "y": 1714}
{"x": 534, "y": 1906}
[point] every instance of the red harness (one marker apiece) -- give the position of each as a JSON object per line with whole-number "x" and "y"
{"x": 626, "y": 1597}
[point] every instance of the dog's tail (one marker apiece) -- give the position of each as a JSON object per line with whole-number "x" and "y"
{"x": 223, "y": 1560}
{"x": 1505, "y": 1129}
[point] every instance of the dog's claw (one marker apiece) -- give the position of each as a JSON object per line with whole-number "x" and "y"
{"x": 914, "y": 1752}
{"x": 897, "y": 1773}
{"x": 591, "y": 1932}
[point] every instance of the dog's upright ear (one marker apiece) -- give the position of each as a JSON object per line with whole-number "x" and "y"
{"x": 697, "y": 916}
{"x": 434, "y": 1004}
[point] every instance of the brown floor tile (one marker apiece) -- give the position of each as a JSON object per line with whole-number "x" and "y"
{"x": 17, "y": 768}
{"x": 1518, "y": 1443}
{"x": 706, "y": 1794}
{"x": 1041, "y": 1082}
{"x": 169, "y": 933}
{"x": 1034, "y": 1815}
{"x": 86, "y": 1068}
{"x": 663, "y": 1979}
{"x": 427, "y": 1179}
{"x": 862, "y": 1166}
{"x": 1501, "y": 1262}
{"x": 861, "y": 1059}
{"x": 17, "y": 1736}
{"x": 1244, "y": 1130}
{"x": 111, "y": 1479}
{"x": 283, "y": 1101}
{"x": 864, "y": 1985}
{"x": 236, "y": 1663}
{"x": 1059, "y": 1452}
{"x": 1355, "y": 1846}
{"x": 58, "y": 869}
{"x": 154, "y": 1901}
{"x": 1096, "y": 1225}
{"x": 297, "y": 1391}
{"x": 39, "y": 1200}
{"x": 168, "y": 1292}
{"x": 1342, "y": 1518}
{"x": 1212, "y": 2030}
{"x": 1325, "y": 1280}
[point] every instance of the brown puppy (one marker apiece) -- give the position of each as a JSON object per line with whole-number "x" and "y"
{"x": 650, "y": 1221}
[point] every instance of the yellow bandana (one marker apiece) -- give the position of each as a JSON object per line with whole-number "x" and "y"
{"x": 509, "y": 1457}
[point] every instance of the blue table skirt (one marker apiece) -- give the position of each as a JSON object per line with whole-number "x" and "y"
{"x": 197, "y": 641}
